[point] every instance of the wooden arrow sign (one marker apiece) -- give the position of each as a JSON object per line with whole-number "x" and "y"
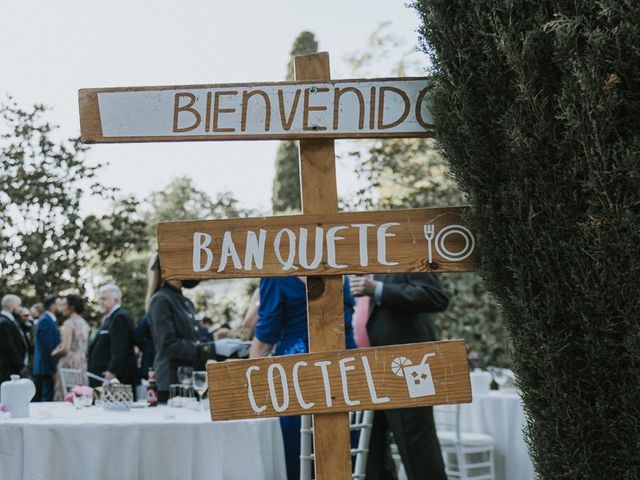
{"x": 374, "y": 108}
{"x": 415, "y": 240}
{"x": 398, "y": 376}
{"x": 314, "y": 109}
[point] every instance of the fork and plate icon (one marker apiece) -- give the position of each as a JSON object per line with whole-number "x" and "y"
{"x": 437, "y": 241}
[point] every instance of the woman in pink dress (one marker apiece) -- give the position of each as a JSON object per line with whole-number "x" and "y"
{"x": 72, "y": 351}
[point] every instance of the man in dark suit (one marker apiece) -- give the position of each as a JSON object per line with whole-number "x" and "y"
{"x": 399, "y": 312}
{"x": 14, "y": 355}
{"x": 47, "y": 339}
{"x": 111, "y": 354}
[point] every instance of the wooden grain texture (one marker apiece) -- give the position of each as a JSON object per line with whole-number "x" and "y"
{"x": 447, "y": 371}
{"x": 325, "y": 311}
{"x": 90, "y": 125}
{"x": 320, "y": 108}
{"x": 408, "y": 247}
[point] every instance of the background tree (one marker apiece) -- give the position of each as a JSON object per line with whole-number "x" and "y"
{"x": 182, "y": 200}
{"x": 411, "y": 173}
{"x": 537, "y": 108}
{"x": 130, "y": 274}
{"x": 286, "y": 183}
{"x": 46, "y": 243}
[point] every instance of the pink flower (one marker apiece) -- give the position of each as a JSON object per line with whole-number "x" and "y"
{"x": 79, "y": 391}
{"x": 3, "y": 408}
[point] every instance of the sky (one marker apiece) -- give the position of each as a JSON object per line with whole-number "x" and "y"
{"x": 49, "y": 50}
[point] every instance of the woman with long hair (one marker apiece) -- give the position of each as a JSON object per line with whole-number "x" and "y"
{"x": 72, "y": 350}
{"x": 172, "y": 318}
{"x": 282, "y": 328}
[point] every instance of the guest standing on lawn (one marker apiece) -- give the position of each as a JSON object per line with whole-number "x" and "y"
{"x": 282, "y": 321}
{"x": 111, "y": 354}
{"x": 172, "y": 318}
{"x": 13, "y": 345}
{"x": 47, "y": 339}
{"x": 72, "y": 352}
{"x": 397, "y": 310}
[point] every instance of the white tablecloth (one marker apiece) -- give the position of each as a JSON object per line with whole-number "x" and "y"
{"x": 500, "y": 415}
{"x": 144, "y": 443}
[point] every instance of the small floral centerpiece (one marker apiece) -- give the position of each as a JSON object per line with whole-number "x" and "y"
{"x": 4, "y": 412}
{"x": 80, "y": 394}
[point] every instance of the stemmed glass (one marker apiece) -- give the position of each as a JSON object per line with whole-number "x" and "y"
{"x": 200, "y": 384}
{"x": 499, "y": 376}
{"x": 184, "y": 375}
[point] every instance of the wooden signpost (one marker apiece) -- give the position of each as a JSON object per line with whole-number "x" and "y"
{"x": 321, "y": 244}
{"x": 316, "y": 108}
{"x": 364, "y": 379}
{"x": 416, "y": 240}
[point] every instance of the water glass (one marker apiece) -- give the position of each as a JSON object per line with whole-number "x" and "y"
{"x": 184, "y": 375}
{"x": 175, "y": 395}
{"x": 188, "y": 396}
{"x": 87, "y": 400}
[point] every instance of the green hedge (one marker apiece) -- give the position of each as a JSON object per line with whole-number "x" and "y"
{"x": 537, "y": 108}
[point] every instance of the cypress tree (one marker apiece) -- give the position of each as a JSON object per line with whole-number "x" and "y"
{"x": 286, "y": 183}
{"x": 537, "y": 108}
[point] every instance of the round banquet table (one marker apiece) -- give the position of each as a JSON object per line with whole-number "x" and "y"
{"x": 60, "y": 442}
{"x": 500, "y": 414}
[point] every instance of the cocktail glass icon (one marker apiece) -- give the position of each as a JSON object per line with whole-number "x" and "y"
{"x": 418, "y": 377}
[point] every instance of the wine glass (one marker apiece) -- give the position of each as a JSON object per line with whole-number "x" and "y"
{"x": 499, "y": 376}
{"x": 184, "y": 375}
{"x": 200, "y": 384}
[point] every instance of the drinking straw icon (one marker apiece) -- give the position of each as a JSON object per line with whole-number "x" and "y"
{"x": 419, "y": 379}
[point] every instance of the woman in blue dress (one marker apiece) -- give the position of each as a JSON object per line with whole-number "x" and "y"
{"x": 282, "y": 321}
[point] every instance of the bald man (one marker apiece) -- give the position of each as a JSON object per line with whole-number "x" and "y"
{"x": 14, "y": 353}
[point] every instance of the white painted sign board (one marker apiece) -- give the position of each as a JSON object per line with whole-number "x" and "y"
{"x": 324, "y": 109}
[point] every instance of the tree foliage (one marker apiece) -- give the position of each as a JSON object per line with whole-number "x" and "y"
{"x": 537, "y": 108}
{"x": 46, "y": 243}
{"x": 412, "y": 173}
{"x": 130, "y": 274}
{"x": 182, "y": 200}
{"x": 286, "y": 183}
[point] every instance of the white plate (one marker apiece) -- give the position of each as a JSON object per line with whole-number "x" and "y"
{"x": 142, "y": 404}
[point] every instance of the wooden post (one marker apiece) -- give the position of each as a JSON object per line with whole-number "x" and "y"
{"x": 421, "y": 240}
{"x": 325, "y": 311}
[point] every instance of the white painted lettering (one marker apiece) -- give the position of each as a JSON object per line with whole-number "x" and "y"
{"x": 286, "y": 264}
{"x": 331, "y": 246}
{"x": 228, "y": 250}
{"x": 278, "y": 407}
{"x": 200, "y": 243}
{"x": 254, "y": 250}
{"x": 325, "y": 380}
{"x": 252, "y": 399}
{"x": 302, "y": 248}
{"x": 343, "y": 375}
{"x": 370, "y": 384}
{"x": 382, "y": 236}
{"x": 362, "y": 242}
{"x": 296, "y": 386}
